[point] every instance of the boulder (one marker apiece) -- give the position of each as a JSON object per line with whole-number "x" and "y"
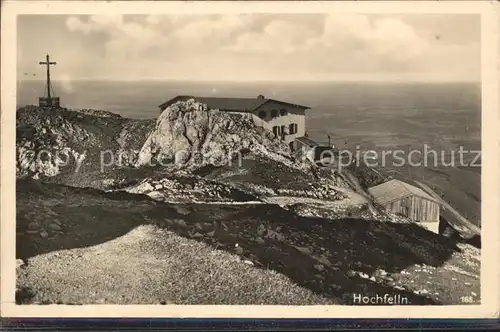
{"x": 261, "y": 229}
{"x": 182, "y": 210}
{"x": 55, "y": 227}
{"x": 274, "y": 235}
{"x": 319, "y": 267}
{"x": 259, "y": 240}
{"x": 304, "y": 250}
{"x": 180, "y": 222}
{"x": 19, "y": 263}
{"x": 33, "y": 225}
{"x": 189, "y": 134}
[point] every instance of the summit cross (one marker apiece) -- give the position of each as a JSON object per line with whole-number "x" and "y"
{"x": 48, "y": 63}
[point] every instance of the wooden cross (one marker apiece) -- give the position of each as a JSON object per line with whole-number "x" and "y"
{"x": 48, "y": 63}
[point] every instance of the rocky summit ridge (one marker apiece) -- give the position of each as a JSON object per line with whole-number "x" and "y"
{"x": 95, "y": 189}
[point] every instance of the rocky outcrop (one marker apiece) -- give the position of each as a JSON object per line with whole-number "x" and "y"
{"x": 46, "y": 140}
{"x": 188, "y": 189}
{"x": 188, "y": 134}
{"x": 50, "y": 142}
{"x": 99, "y": 113}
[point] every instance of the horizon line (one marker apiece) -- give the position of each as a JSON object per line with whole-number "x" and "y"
{"x": 403, "y": 81}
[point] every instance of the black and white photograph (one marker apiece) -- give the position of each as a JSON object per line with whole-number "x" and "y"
{"x": 249, "y": 158}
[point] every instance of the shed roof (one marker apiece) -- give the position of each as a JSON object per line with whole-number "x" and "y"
{"x": 394, "y": 190}
{"x": 229, "y": 104}
{"x": 307, "y": 141}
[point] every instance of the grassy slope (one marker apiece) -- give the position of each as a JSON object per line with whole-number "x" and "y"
{"x": 333, "y": 258}
{"x": 151, "y": 265}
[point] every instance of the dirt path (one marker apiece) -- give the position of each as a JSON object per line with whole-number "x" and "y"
{"x": 219, "y": 202}
{"x": 358, "y": 192}
{"x": 463, "y": 221}
{"x": 352, "y": 199}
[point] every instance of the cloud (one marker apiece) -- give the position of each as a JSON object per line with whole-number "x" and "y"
{"x": 94, "y": 23}
{"x": 124, "y": 40}
{"x": 153, "y": 19}
{"x": 361, "y": 42}
{"x": 75, "y": 24}
{"x": 113, "y": 25}
{"x": 169, "y": 34}
{"x": 276, "y": 37}
{"x": 267, "y": 45}
{"x": 393, "y": 37}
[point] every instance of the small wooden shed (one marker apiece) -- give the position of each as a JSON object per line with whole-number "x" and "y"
{"x": 409, "y": 201}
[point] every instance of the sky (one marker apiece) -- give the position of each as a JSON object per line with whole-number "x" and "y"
{"x": 252, "y": 47}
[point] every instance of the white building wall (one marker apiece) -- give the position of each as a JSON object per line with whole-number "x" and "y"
{"x": 286, "y": 121}
{"x": 432, "y": 226}
{"x": 293, "y": 115}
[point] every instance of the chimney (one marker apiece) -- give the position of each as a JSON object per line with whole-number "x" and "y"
{"x": 261, "y": 97}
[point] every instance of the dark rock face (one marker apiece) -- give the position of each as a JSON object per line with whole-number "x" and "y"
{"x": 186, "y": 134}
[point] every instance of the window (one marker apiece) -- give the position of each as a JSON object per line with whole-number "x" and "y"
{"x": 274, "y": 113}
{"x": 262, "y": 114}
{"x": 292, "y": 128}
{"x": 404, "y": 208}
{"x": 276, "y": 131}
{"x": 282, "y": 111}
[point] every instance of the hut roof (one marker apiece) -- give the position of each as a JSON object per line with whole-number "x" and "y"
{"x": 394, "y": 190}
{"x": 307, "y": 141}
{"x": 229, "y": 104}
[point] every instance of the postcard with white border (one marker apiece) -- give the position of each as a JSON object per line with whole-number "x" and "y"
{"x": 250, "y": 159}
